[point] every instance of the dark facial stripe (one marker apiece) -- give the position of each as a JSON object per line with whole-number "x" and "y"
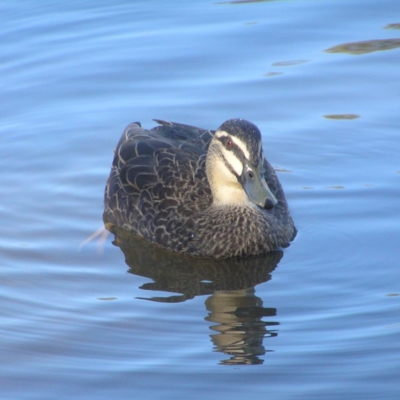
{"x": 235, "y": 149}
{"x": 227, "y": 164}
{"x": 247, "y": 133}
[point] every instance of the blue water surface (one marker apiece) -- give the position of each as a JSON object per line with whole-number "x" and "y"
{"x": 82, "y": 320}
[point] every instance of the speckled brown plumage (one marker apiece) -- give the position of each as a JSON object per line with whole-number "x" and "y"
{"x": 158, "y": 189}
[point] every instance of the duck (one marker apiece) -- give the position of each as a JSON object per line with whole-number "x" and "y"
{"x": 200, "y": 192}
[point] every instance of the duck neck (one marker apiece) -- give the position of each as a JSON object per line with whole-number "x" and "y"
{"x": 226, "y": 189}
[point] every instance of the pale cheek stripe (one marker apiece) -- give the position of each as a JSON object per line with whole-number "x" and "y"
{"x": 233, "y": 162}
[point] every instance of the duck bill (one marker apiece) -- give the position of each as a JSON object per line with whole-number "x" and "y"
{"x": 256, "y": 188}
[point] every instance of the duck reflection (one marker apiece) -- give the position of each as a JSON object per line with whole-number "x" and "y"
{"x": 234, "y": 310}
{"x": 240, "y": 330}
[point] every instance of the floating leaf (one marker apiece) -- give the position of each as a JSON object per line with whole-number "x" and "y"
{"x": 392, "y": 26}
{"x": 107, "y": 298}
{"x": 288, "y": 63}
{"x": 273, "y": 73}
{"x": 365, "y": 47}
{"x": 244, "y": 1}
{"x": 341, "y": 116}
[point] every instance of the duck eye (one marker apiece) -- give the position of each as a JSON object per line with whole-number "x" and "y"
{"x": 251, "y": 175}
{"x": 229, "y": 144}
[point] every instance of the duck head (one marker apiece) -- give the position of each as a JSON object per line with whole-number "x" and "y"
{"x": 235, "y": 166}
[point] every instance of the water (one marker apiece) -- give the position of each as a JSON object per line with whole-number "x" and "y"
{"x": 320, "y": 321}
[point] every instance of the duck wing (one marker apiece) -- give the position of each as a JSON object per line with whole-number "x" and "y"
{"x": 184, "y": 133}
{"x": 157, "y": 175}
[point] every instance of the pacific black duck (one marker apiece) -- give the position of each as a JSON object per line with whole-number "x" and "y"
{"x": 197, "y": 191}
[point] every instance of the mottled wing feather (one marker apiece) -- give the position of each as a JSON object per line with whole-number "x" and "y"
{"x": 157, "y": 174}
{"x": 184, "y": 133}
